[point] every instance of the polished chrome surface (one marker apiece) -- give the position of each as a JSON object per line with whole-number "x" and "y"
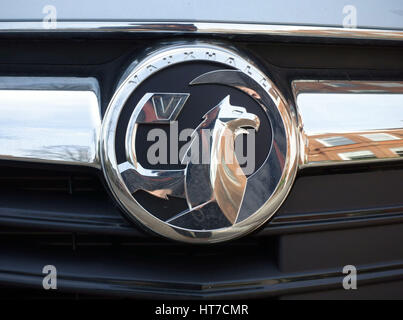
{"x": 151, "y": 109}
{"x": 183, "y": 27}
{"x": 349, "y": 121}
{"x": 50, "y": 120}
{"x": 264, "y": 190}
{"x": 160, "y": 107}
{"x": 262, "y": 184}
{"x": 222, "y": 181}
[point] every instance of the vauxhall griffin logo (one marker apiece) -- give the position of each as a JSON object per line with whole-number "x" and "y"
{"x": 220, "y": 180}
{"x": 200, "y": 184}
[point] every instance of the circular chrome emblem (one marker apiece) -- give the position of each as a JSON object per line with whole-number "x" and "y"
{"x": 197, "y": 144}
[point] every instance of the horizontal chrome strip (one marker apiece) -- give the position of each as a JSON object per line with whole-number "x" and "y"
{"x": 50, "y": 120}
{"x": 349, "y": 121}
{"x": 57, "y": 120}
{"x": 204, "y": 28}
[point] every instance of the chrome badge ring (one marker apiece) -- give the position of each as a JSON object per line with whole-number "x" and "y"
{"x": 226, "y": 215}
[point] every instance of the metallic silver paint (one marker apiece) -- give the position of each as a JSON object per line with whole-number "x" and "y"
{"x": 386, "y": 14}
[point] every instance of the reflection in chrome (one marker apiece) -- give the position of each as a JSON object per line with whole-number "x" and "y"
{"x": 398, "y": 151}
{"x": 335, "y": 141}
{"x": 50, "y": 120}
{"x": 221, "y": 181}
{"x": 222, "y": 202}
{"x": 357, "y": 155}
{"x": 349, "y": 121}
{"x": 153, "y": 108}
{"x": 160, "y": 107}
{"x": 379, "y": 136}
{"x": 217, "y": 188}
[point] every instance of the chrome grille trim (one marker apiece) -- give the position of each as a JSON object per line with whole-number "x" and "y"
{"x": 344, "y": 122}
{"x": 38, "y": 125}
{"x": 183, "y": 27}
{"x": 50, "y": 120}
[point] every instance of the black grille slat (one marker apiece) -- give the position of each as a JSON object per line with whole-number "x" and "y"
{"x": 77, "y": 202}
{"x": 58, "y": 200}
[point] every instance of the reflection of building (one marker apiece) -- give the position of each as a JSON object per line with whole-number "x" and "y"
{"x": 356, "y": 146}
{"x": 353, "y": 86}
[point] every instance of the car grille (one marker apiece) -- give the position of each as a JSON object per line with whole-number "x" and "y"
{"x": 334, "y": 216}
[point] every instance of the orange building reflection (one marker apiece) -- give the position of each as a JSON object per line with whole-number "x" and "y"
{"x": 355, "y": 146}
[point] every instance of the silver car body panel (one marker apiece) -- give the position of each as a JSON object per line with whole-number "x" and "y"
{"x": 385, "y": 14}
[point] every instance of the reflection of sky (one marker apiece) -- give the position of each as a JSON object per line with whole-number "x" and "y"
{"x": 338, "y": 113}
{"x": 34, "y": 138}
{"x": 46, "y": 109}
{"x": 34, "y": 123}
